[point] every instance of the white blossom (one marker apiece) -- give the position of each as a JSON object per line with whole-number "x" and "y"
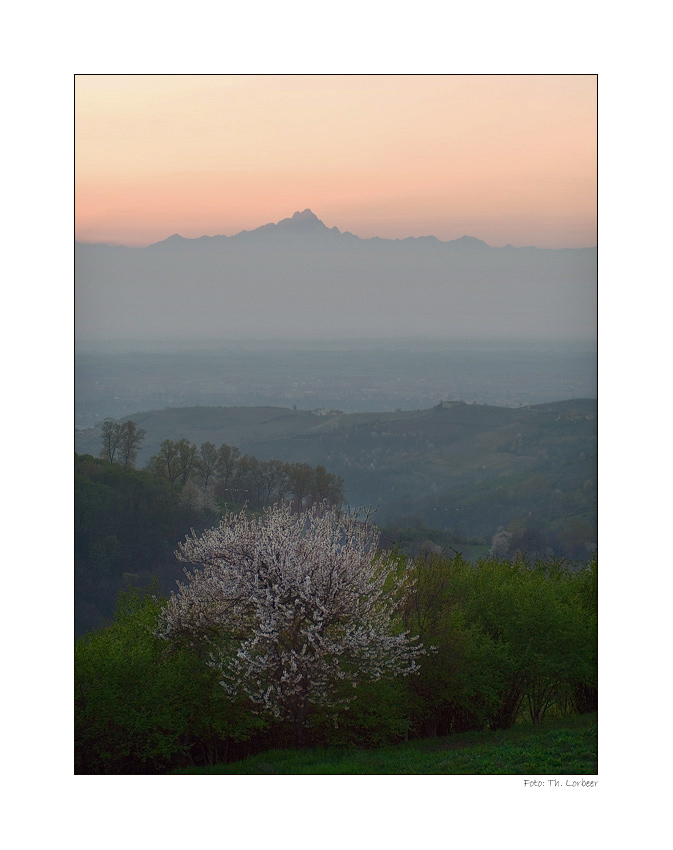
{"x": 291, "y": 605}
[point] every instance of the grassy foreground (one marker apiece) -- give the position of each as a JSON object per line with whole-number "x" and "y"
{"x": 568, "y": 746}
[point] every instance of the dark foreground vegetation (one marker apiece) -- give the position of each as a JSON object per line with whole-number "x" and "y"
{"x": 560, "y": 747}
{"x": 129, "y": 521}
{"x": 515, "y": 647}
{"x": 295, "y": 628}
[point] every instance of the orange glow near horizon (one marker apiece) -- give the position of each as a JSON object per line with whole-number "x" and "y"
{"x": 503, "y": 158}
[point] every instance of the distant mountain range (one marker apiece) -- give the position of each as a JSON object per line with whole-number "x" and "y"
{"x": 299, "y": 278}
{"x": 307, "y": 223}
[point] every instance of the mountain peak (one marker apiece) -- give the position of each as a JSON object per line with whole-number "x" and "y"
{"x": 468, "y": 242}
{"x": 307, "y": 215}
{"x": 175, "y": 239}
{"x": 302, "y": 221}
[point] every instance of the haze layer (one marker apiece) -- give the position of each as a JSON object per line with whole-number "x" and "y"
{"x": 300, "y": 279}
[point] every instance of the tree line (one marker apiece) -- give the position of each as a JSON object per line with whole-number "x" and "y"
{"x": 223, "y": 474}
{"x": 128, "y": 521}
{"x": 121, "y": 441}
{"x": 226, "y": 474}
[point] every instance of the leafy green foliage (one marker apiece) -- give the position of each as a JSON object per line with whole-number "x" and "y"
{"x": 140, "y": 708}
{"x": 377, "y": 716}
{"x": 548, "y": 640}
{"x": 508, "y": 637}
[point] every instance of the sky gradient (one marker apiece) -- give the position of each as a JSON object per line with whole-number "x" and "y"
{"x": 508, "y": 159}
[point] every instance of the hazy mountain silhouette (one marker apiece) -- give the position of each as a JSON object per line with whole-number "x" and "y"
{"x": 307, "y": 223}
{"x": 299, "y": 278}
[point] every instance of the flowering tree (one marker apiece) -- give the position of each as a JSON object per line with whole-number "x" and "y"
{"x": 291, "y": 607}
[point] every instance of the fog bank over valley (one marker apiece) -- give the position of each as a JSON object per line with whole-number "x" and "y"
{"x": 119, "y": 379}
{"x": 298, "y": 279}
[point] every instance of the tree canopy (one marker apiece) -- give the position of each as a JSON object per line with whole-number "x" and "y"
{"x": 121, "y": 441}
{"x": 291, "y": 607}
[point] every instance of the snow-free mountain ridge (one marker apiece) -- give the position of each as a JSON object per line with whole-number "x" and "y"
{"x": 299, "y": 279}
{"x": 307, "y": 223}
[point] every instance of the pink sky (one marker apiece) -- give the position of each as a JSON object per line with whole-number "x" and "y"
{"x": 503, "y": 158}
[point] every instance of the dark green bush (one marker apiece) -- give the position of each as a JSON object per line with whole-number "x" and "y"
{"x": 509, "y": 639}
{"x": 142, "y": 707}
{"x": 377, "y": 715}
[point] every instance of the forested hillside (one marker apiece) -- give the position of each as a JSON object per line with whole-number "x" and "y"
{"x": 466, "y": 470}
{"x": 128, "y": 522}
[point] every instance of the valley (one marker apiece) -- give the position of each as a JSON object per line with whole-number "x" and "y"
{"x": 466, "y": 469}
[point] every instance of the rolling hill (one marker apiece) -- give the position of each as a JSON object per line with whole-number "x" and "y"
{"x": 465, "y": 468}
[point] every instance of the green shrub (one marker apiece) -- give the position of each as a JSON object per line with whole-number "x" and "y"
{"x": 509, "y": 639}
{"x": 141, "y": 707}
{"x": 378, "y": 715}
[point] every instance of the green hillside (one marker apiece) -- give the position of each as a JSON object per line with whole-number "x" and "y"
{"x": 467, "y": 469}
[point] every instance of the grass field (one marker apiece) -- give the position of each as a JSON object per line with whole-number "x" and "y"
{"x": 562, "y": 747}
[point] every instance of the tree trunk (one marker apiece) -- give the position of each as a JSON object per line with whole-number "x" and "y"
{"x": 299, "y": 718}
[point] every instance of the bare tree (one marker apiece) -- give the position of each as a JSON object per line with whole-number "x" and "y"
{"x": 275, "y": 481}
{"x": 112, "y": 436}
{"x": 131, "y": 438}
{"x": 175, "y": 461}
{"x": 188, "y": 459}
{"x": 227, "y": 463}
{"x": 166, "y": 463}
{"x": 325, "y": 487}
{"x": 300, "y": 477}
{"x": 208, "y": 462}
